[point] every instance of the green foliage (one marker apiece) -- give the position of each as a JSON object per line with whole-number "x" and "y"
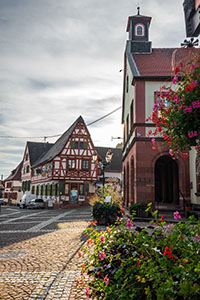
{"x": 160, "y": 262}
{"x": 140, "y": 209}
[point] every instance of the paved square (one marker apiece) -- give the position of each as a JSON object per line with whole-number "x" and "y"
{"x": 38, "y": 253}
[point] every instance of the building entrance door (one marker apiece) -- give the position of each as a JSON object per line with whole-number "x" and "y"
{"x": 74, "y": 193}
{"x": 166, "y": 180}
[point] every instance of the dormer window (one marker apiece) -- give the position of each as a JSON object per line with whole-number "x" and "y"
{"x": 139, "y": 30}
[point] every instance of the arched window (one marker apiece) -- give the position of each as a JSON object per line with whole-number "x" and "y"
{"x": 198, "y": 172}
{"x": 132, "y": 179}
{"x": 139, "y": 30}
{"x": 127, "y": 180}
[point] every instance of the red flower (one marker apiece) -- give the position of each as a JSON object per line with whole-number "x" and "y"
{"x": 176, "y": 70}
{"x": 121, "y": 211}
{"x": 138, "y": 263}
{"x": 168, "y": 252}
{"x": 162, "y": 219}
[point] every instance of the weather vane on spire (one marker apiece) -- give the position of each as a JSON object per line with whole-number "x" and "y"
{"x": 138, "y": 7}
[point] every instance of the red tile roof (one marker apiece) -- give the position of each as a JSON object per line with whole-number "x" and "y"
{"x": 162, "y": 61}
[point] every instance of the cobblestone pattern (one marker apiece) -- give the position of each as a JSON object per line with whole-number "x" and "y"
{"x": 42, "y": 264}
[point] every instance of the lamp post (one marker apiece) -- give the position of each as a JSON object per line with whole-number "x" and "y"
{"x": 105, "y": 162}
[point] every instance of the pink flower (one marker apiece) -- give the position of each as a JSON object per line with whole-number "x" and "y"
{"x": 192, "y": 67}
{"x": 175, "y": 79}
{"x": 129, "y": 224}
{"x": 175, "y": 124}
{"x": 106, "y": 279}
{"x": 102, "y": 255}
{"x": 87, "y": 292}
{"x": 176, "y": 215}
{"x": 102, "y": 239}
{"x": 171, "y": 152}
{"x": 153, "y": 141}
{"x": 197, "y": 238}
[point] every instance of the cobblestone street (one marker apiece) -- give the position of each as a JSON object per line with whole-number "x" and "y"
{"x": 38, "y": 253}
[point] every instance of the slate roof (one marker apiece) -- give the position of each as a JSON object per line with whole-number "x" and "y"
{"x": 36, "y": 150}
{"x": 116, "y": 163}
{"x": 16, "y": 173}
{"x": 162, "y": 61}
{"x": 59, "y": 144}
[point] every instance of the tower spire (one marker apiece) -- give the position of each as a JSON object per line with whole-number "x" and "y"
{"x": 138, "y": 9}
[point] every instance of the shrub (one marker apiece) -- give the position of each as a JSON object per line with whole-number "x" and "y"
{"x": 158, "y": 262}
{"x": 106, "y": 213}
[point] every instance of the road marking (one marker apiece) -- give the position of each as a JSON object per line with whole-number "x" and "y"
{"x": 5, "y": 215}
{"x": 48, "y": 222}
{"x": 22, "y": 217}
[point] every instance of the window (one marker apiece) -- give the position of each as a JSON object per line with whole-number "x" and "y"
{"x": 83, "y": 145}
{"x": 29, "y": 185}
{"x": 26, "y": 158}
{"x": 71, "y": 163}
{"x": 9, "y": 184}
{"x": 127, "y": 126}
{"x": 27, "y": 169}
{"x": 132, "y": 115}
{"x": 139, "y": 30}
{"x": 157, "y": 98}
{"x": 74, "y": 145}
{"x": 85, "y": 164}
{"x": 198, "y": 172}
{"x": 53, "y": 189}
{"x": 33, "y": 190}
{"x": 48, "y": 190}
{"x": 61, "y": 188}
{"x": 127, "y": 83}
{"x": 37, "y": 190}
{"x": 41, "y": 190}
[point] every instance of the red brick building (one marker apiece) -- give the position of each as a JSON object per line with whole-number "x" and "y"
{"x": 149, "y": 176}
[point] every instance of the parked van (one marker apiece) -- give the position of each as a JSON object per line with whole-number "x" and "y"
{"x": 25, "y": 200}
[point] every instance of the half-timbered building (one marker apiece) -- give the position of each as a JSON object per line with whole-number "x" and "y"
{"x": 66, "y": 173}
{"x": 13, "y": 186}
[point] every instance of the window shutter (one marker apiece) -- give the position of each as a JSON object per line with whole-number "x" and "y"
{"x": 85, "y": 145}
{"x": 86, "y": 189}
{"x": 73, "y": 145}
{"x": 61, "y": 188}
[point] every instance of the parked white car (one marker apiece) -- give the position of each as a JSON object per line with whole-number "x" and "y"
{"x": 25, "y": 200}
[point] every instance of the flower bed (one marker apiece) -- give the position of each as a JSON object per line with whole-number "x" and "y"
{"x": 159, "y": 262}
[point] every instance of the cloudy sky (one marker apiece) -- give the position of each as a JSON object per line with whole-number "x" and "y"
{"x": 61, "y": 58}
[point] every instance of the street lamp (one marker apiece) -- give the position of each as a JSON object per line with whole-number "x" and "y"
{"x": 106, "y": 162}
